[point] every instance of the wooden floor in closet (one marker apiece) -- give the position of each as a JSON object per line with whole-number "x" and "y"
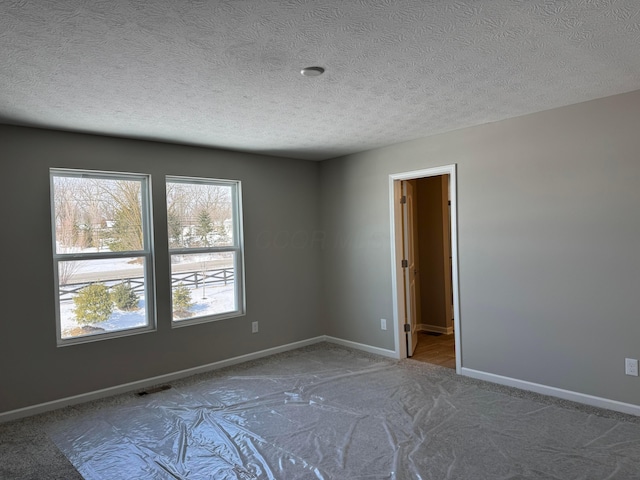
{"x": 437, "y": 349}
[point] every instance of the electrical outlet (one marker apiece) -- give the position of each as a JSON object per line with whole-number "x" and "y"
{"x": 631, "y": 366}
{"x": 254, "y": 327}
{"x": 383, "y": 323}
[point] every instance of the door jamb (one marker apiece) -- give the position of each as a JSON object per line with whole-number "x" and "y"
{"x": 397, "y": 282}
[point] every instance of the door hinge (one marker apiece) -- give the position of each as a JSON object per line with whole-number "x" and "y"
{"x": 403, "y": 199}
{"x": 405, "y": 263}
{"x": 407, "y": 327}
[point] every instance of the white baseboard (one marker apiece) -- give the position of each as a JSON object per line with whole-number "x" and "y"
{"x": 600, "y": 402}
{"x": 148, "y": 382}
{"x": 141, "y": 384}
{"x": 424, "y": 327}
{"x": 362, "y": 346}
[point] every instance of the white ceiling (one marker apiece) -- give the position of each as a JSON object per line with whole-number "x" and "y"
{"x": 226, "y": 73}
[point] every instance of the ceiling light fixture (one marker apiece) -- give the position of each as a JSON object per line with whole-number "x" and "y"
{"x": 312, "y": 71}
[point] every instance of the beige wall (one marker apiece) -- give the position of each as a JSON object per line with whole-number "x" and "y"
{"x": 548, "y": 229}
{"x": 431, "y": 238}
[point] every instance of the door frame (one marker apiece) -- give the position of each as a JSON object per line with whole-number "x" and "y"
{"x": 397, "y": 274}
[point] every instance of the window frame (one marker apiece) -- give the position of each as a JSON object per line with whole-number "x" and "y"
{"x": 147, "y": 253}
{"x": 237, "y": 248}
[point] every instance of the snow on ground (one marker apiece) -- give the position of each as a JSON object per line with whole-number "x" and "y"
{"x": 218, "y": 299}
{"x": 106, "y": 265}
{"x": 99, "y": 265}
{"x": 210, "y": 301}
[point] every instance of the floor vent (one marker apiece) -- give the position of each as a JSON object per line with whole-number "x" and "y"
{"x": 161, "y": 388}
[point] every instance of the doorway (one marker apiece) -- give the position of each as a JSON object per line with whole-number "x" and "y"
{"x": 425, "y": 265}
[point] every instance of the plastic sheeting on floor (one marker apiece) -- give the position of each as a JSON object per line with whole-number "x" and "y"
{"x": 330, "y": 413}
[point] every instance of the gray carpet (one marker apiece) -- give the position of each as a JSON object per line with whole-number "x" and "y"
{"x": 27, "y": 453}
{"x": 325, "y": 412}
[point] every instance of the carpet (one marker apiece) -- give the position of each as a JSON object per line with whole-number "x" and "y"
{"x": 329, "y": 412}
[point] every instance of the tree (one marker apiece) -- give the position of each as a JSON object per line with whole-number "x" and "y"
{"x": 188, "y": 203}
{"x": 126, "y": 233}
{"x": 67, "y": 214}
{"x": 204, "y": 227}
{"x": 182, "y": 301}
{"x": 222, "y": 235}
{"x": 91, "y": 204}
{"x": 124, "y": 297}
{"x": 175, "y": 229}
{"x": 66, "y": 270}
{"x": 93, "y": 304}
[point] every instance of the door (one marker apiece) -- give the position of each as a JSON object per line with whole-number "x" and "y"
{"x": 411, "y": 272}
{"x": 400, "y": 280}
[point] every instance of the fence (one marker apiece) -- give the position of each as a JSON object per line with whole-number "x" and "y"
{"x": 214, "y": 277}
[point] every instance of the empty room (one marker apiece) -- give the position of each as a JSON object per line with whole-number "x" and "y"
{"x": 261, "y": 239}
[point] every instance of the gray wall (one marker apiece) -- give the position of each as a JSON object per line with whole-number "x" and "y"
{"x": 281, "y": 203}
{"x": 548, "y": 234}
{"x": 549, "y": 229}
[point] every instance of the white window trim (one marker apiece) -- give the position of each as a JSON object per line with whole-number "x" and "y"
{"x": 147, "y": 254}
{"x": 237, "y": 248}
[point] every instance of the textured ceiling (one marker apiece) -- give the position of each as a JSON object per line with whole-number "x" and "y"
{"x": 226, "y": 73}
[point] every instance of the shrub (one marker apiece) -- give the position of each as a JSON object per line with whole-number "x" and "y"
{"x": 93, "y": 304}
{"x": 181, "y": 301}
{"x": 124, "y": 297}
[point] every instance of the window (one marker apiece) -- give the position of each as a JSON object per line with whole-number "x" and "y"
{"x": 205, "y": 247}
{"x": 102, "y": 254}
